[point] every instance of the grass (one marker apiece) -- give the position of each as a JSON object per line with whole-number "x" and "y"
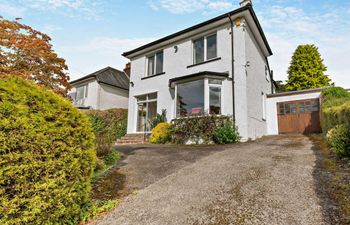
{"x": 337, "y": 185}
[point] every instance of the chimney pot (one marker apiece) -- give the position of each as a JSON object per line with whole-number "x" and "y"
{"x": 127, "y": 68}
{"x": 245, "y": 2}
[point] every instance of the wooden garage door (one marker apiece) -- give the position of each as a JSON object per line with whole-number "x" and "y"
{"x": 299, "y": 117}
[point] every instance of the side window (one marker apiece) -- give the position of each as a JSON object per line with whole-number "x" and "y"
{"x": 267, "y": 74}
{"x": 204, "y": 48}
{"x": 82, "y": 92}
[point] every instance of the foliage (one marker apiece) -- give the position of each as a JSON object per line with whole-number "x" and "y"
{"x": 339, "y": 139}
{"x": 160, "y": 118}
{"x": 27, "y": 53}
{"x": 226, "y": 134}
{"x": 306, "y": 69}
{"x": 108, "y": 126}
{"x": 47, "y": 156}
{"x": 199, "y": 129}
{"x": 112, "y": 158}
{"x": 97, "y": 208}
{"x": 161, "y": 134}
{"x": 336, "y": 119}
{"x": 281, "y": 87}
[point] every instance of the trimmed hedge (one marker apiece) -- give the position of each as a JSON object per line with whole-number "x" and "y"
{"x": 161, "y": 134}
{"x": 47, "y": 156}
{"x": 197, "y": 129}
{"x": 336, "y": 118}
{"x": 108, "y": 126}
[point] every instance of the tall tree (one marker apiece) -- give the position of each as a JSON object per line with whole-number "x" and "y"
{"x": 306, "y": 69}
{"x": 27, "y": 53}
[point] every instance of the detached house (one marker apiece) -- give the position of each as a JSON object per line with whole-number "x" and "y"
{"x": 104, "y": 89}
{"x": 218, "y": 67}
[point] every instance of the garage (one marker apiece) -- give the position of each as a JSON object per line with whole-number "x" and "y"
{"x": 301, "y": 116}
{"x": 294, "y": 112}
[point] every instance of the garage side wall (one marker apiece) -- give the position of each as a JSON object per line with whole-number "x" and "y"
{"x": 271, "y": 106}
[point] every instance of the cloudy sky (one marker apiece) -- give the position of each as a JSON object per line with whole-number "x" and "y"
{"x": 92, "y": 34}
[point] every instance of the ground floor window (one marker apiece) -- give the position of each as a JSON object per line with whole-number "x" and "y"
{"x": 146, "y": 111}
{"x": 198, "y": 97}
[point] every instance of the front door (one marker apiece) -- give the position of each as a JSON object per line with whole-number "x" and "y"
{"x": 301, "y": 116}
{"x": 146, "y": 112}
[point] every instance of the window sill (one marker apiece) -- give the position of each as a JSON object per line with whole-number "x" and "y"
{"x": 158, "y": 74}
{"x": 208, "y": 61}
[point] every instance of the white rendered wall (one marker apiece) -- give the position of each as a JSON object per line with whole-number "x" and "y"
{"x": 91, "y": 99}
{"x": 257, "y": 84}
{"x": 112, "y": 97}
{"x": 271, "y": 104}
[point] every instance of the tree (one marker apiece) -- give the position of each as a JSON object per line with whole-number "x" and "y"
{"x": 306, "y": 69}
{"x": 27, "y": 53}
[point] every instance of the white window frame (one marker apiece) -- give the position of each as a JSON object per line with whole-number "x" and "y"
{"x": 148, "y": 100}
{"x": 206, "y": 94}
{"x": 85, "y": 92}
{"x": 155, "y": 63}
{"x": 263, "y": 102}
{"x": 205, "y": 58}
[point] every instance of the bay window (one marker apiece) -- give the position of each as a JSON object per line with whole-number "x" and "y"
{"x": 199, "y": 97}
{"x": 204, "y": 48}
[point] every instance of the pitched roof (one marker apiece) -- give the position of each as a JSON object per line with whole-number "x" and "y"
{"x": 248, "y": 7}
{"x": 109, "y": 76}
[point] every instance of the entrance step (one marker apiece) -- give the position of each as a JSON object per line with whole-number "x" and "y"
{"x": 133, "y": 139}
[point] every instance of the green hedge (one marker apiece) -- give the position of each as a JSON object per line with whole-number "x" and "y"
{"x": 108, "y": 126}
{"x": 335, "y": 115}
{"x": 198, "y": 129}
{"x": 47, "y": 156}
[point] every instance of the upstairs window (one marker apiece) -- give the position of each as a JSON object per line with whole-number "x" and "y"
{"x": 204, "y": 48}
{"x": 155, "y": 63}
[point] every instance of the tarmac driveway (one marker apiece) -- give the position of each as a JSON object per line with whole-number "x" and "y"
{"x": 269, "y": 181}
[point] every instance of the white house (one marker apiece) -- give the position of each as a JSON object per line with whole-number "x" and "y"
{"x": 219, "y": 66}
{"x": 104, "y": 89}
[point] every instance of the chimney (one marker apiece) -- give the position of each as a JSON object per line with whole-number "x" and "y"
{"x": 127, "y": 69}
{"x": 245, "y": 2}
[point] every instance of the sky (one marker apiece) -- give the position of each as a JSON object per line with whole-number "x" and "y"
{"x": 92, "y": 34}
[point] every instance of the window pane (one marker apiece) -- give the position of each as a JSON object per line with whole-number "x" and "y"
{"x": 287, "y": 108}
{"x": 142, "y": 98}
{"x": 152, "y": 96}
{"x": 315, "y": 106}
{"x": 80, "y": 93}
{"x": 214, "y": 100}
{"x": 159, "y": 64}
{"x": 150, "y": 65}
{"x": 198, "y": 46}
{"x": 190, "y": 98}
{"x": 212, "y": 81}
{"x": 308, "y": 106}
{"x": 282, "y": 108}
{"x": 302, "y": 107}
{"x": 293, "y": 108}
{"x": 211, "y": 47}
{"x": 141, "y": 116}
{"x": 152, "y": 113}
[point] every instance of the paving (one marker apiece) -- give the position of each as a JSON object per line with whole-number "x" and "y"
{"x": 269, "y": 181}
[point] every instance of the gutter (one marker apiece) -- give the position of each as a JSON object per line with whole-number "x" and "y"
{"x": 232, "y": 70}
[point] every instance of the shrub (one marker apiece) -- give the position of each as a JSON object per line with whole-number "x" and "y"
{"x": 111, "y": 158}
{"x": 161, "y": 134}
{"x": 108, "y": 126}
{"x": 339, "y": 139}
{"x": 226, "y": 134}
{"x": 47, "y": 156}
{"x": 198, "y": 129}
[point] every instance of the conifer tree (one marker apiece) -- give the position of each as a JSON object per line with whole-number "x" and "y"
{"x": 306, "y": 69}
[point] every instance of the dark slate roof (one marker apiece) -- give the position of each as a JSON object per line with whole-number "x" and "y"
{"x": 248, "y": 7}
{"x": 109, "y": 76}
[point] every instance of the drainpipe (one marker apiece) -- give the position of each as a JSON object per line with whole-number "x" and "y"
{"x": 232, "y": 70}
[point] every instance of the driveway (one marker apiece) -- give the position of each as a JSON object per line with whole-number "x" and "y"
{"x": 269, "y": 181}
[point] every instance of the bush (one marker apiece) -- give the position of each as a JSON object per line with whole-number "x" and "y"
{"x": 339, "y": 139}
{"x": 108, "y": 126}
{"x": 160, "y": 118}
{"x": 47, "y": 156}
{"x": 198, "y": 129}
{"x": 111, "y": 158}
{"x": 161, "y": 134}
{"x": 226, "y": 134}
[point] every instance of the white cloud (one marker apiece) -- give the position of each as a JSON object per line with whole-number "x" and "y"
{"x": 189, "y": 6}
{"x": 10, "y": 10}
{"x": 91, "y": 55}
{"x": 287, "y": 27}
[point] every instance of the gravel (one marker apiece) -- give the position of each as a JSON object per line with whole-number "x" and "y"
{"x": 269, "y": 181}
